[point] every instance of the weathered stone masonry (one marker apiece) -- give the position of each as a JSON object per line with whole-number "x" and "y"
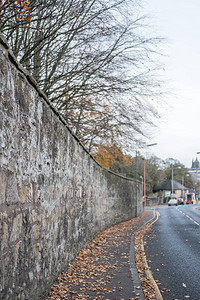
{"x": 54, "y": 198}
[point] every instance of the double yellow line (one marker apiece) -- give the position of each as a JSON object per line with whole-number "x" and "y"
{"x": 146, "y": 267}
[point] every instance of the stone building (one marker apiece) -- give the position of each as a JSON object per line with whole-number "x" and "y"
{"x": 195, "y": 170}
{"x": 165, "y": 190}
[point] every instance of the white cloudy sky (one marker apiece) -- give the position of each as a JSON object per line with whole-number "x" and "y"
{"x": 178, "y": 21}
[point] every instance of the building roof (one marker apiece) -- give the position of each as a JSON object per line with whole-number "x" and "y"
{"x": 195, "y": 164}
{"x": 167, "y": 186}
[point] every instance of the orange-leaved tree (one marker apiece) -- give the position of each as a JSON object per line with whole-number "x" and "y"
{"x": 14, "y": 11}
{"x": 111, "y": 157}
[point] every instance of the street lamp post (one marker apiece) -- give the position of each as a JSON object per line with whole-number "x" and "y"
{"x": 136, "y": 190}
{"x": 197, "y": 183}
{"x": 172, "y": 180}
{"x": 144, "y": 182}
{"x": 183, "y": 182}
{"x": 150, "y": 145}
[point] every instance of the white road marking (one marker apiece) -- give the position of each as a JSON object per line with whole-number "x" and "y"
{"x": 191, "y": 219}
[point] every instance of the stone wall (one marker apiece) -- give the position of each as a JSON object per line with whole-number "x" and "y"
{"x": 54, "y": 197}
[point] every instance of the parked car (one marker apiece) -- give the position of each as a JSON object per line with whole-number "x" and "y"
{"x": 173, "y": 201}
{"x": 180, "y": 201}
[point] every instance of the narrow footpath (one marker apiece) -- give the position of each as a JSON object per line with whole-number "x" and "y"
{"x": 105, "y": 268}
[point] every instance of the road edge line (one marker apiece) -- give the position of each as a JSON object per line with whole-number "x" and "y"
{"x": 134, "y": 271}
{"x": 147, "y": 269}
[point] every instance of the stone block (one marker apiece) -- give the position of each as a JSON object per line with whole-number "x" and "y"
{"x": 16, "y": 230}
{"x": 11, "y": 189}
{"x": 3, "y": 183}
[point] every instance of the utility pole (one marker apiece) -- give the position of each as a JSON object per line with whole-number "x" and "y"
{"x": 142, "y": 180}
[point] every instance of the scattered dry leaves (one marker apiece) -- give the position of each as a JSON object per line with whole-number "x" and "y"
{"x": 90, "y": 275}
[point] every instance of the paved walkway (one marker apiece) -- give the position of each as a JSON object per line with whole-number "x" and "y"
{"x": 105, "y": 268}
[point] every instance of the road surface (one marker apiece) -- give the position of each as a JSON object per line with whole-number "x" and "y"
{"x": 172, "y": 248}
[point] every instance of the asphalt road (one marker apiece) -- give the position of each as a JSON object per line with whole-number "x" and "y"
{"x": 172, "y": 248}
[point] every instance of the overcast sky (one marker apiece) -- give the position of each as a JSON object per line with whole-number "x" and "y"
{"x": 178, "y": 133}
